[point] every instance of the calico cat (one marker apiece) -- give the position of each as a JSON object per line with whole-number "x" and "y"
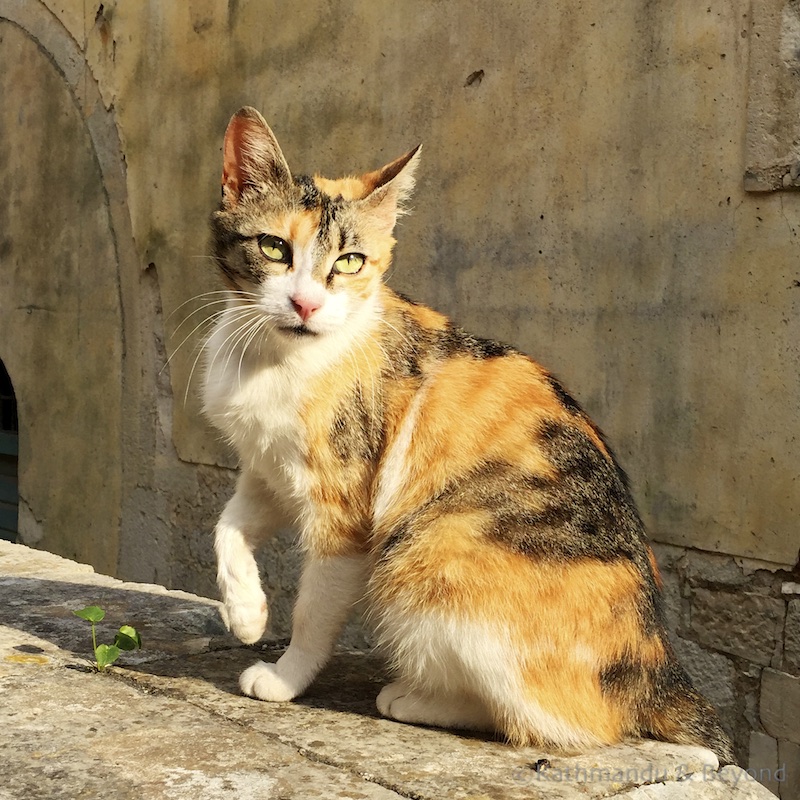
{"x": 449, "y": 480}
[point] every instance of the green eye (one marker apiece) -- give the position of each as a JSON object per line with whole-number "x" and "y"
{"x": 349, "y": 264}
{"x": 274, "y": 248}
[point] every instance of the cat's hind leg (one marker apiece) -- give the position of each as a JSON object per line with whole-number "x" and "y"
{"x": 463, "y": 618}
{"x": 400, "y": 702}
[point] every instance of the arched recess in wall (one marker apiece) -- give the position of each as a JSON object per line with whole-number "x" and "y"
{"x": 9, "y": 456}
{"x": 69, "y": 276}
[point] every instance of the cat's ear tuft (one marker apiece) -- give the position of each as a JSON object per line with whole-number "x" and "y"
{"x": 251, "y": 157}
{"x": 389, "y": 187}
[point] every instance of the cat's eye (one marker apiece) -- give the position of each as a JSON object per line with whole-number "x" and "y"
{"x": 273, "y": 248}
{"x": 349, "y": 263}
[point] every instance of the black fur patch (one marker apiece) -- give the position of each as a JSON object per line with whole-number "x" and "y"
{"x": 328, "y": 208}
{"x": 454, "y": 341}
{"x": 406, "y": 346}
{"x": 309, "y": 193}
{"x": 564, "y": 397}
{"x": 623, "y": 677}
{"x": 355, "y": 433}
{"x": 395, "y": 539}
{"x": 585, "y": 512}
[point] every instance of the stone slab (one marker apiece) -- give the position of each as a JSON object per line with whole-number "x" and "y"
{"x": 763, "y": 762}
{"x": 70, "y": 733}
{"x": 172, "y": 722}
{"x": 791, "y": 637}
{"x": 780, "y": 705}
{"x": 740, "y": 623}
{"x": 789, "y": 759}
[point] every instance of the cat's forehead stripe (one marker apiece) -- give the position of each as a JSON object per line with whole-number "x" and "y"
{"x": 312, "y": 197}
{"x": 309, "y": 193}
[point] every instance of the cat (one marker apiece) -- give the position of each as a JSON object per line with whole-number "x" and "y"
{"x": 449, "y": 480}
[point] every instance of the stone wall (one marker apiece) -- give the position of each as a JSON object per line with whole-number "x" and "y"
{"x": 736, "y": 627}
{"x": 608, "y": 190}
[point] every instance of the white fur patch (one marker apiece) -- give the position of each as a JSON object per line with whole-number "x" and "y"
{"x": 394, "y": 471}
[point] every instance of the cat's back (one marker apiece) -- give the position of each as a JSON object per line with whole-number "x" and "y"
{"x": 485, "y": 420}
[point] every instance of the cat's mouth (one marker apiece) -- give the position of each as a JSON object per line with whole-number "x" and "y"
{"x": 297, "y": 330}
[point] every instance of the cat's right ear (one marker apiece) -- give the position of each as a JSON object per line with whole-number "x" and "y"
{"x": 251, "y": 158}
{"x": 389, "y": 187}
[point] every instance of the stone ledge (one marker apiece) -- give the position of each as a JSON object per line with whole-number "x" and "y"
{"x": 172, "y": 723}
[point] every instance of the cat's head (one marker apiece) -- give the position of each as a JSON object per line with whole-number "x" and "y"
{"x": 308, "y": 253}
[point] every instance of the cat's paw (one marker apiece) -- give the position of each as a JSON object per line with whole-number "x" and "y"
{"x": 263, "y": 682}
{"x": 389, "y": 699}
{"x": 247, "y": 621}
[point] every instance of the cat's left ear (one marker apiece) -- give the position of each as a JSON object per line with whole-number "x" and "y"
{"x": 389, "y": 187}
{"x": 252, "y": 157}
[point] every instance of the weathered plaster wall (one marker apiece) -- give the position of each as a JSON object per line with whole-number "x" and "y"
{"x": 583, "y": 199}
{"x": 581, "y": 196}
{"x": 60, "y": 317}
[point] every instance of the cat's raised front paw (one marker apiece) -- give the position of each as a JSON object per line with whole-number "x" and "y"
{"x": 246, "y": 621}
{"x": 263, "y": 682}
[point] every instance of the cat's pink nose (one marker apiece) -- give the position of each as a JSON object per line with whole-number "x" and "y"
{"x": 305, "y": 307}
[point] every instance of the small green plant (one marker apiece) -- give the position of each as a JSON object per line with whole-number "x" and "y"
{"x": 127, "y": 638}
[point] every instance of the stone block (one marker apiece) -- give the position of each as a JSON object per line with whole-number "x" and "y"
{"x": 791, "y": 641}
{"x": 763, "y": 762}
{"x": 780, "y": 705}
{"x": 668, "y": 556}
{"x": 713, "y": 568}
{"x": 712, "y": 674}
{"x": 671, "y": 591}
{"x": 789, "y": 760}
{"x": 743, "y": 624}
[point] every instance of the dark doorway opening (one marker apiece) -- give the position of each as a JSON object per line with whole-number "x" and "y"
{"x": 9, "y": 457}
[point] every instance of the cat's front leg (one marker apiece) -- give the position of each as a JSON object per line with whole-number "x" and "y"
{"x": 249, "y": 517}
{"x": 329, "y": 588}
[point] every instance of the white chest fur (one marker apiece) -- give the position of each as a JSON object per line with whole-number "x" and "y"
{"x": 255, "y": 391}
{"x": 256, "y": 397}
{"x": 260, "y": 417}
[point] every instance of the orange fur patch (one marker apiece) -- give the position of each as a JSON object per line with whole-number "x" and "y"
{"x": 350, "y": 188}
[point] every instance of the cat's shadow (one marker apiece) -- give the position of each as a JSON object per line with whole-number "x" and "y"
{"x": 349, "y": 683}
{"x": 186, "y": 648}
{"x": 182, "y": 639}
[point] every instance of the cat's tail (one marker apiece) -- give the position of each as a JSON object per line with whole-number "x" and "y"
{"x": 682, "y": 715}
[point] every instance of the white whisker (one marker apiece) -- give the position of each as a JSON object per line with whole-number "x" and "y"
{"x": 209, "y": 320}
{"x": 258, "y": 329}
{"x": 236, "y": 315}
{"x": 229, "y": 293}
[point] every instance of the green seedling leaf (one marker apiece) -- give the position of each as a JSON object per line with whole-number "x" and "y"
{"x": 106, "y": 654}
{"x": 90, "y": 613}
{"x": 128, "y": 638}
